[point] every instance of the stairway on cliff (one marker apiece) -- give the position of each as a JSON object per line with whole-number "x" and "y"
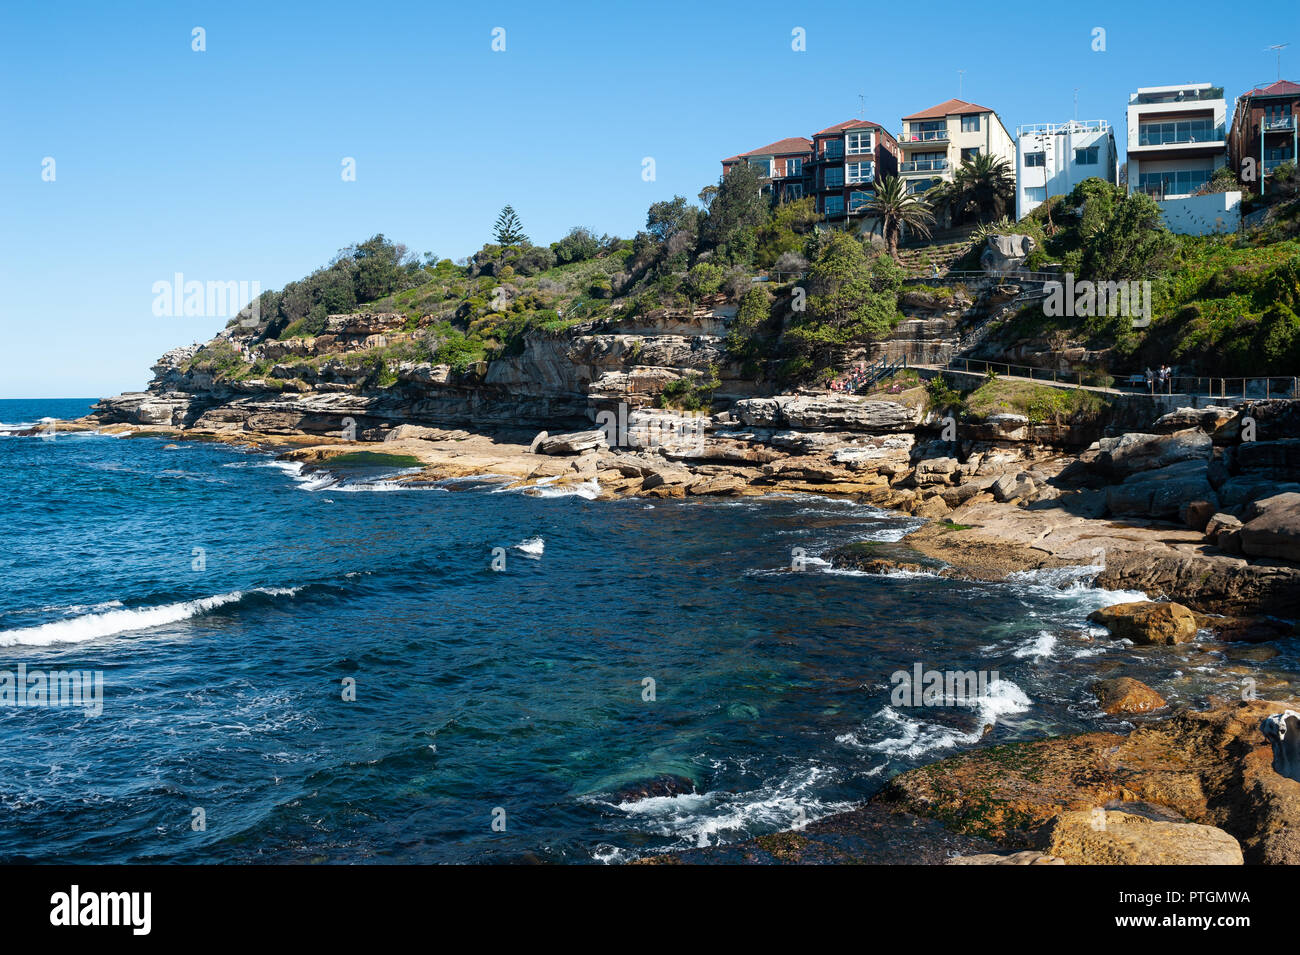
{"x": 919, "y": 261}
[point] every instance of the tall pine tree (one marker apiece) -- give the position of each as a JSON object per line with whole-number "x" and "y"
{"x": 508, "y": 229}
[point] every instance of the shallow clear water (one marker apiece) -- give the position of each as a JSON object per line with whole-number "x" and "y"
{"x": 226, "y": 598}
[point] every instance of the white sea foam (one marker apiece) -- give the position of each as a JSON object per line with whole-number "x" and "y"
{"x": 717, "y": 816}
{"x": 1038, "y": 648}
{"x": 532, "y": 547}
{"x": 92, "y": 626}
{"x": 917, "y": 737}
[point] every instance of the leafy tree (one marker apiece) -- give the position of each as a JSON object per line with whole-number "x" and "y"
{"x": 735, "y": 215}
{"x": 852, "y": 297}
{"x": 704, "y": 279}
{"x": 895, "y": 207}
{"x": 508, "y": 230}
{"x": 1132, "y": 243}
{"x": 577, "y": 246}
{"x": 672, "y": 217}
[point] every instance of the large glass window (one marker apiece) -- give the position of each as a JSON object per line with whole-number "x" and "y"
{"x": 858, "y": 199}
{"x": 833, "y": 149}
{"x": 834, "y": 177}
{"x": 1179, "y": 131}
{"x": 833, "y": 206}
{"x": 1179, "y": 182}
{"x": 927, "y": 131}
{"x": 969, "y": 153}
{"x": 1036, "y": 193}
{"x": 1087, "y": 156}
{"x": 761, "y": 166}
{"x": 970, "y": 123}
{"x": 1035, "y": 159}
{"x": 794, "y": 167}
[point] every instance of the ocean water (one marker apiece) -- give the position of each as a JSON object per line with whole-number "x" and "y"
{"x": 232, "y": 604}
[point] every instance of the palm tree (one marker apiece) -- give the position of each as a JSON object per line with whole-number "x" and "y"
{"x": 895, "y": 207}
{"x": 985, "y": 185}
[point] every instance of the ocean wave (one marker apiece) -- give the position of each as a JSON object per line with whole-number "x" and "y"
{"x": 717, "y": 816}
{"x": 1041, "y": 646}
{"x": 532, "y": 547}
{"x": 917, "y": 737}
{"x": 112, "y": 622}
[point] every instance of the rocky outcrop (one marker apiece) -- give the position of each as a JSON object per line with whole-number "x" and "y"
{"x": 1112, "y": 837}
{"x": 827, "y": 412}
{"x": 1125, "y": 696}
{"x": 1006, "y": 253}
{"x": 1147, "y": 623}
{"x": 1213, "y": 768}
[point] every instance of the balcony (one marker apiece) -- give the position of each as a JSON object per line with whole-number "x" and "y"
{"x": 923, "y": 165}
{"x": 1179, "y": 133}
{"x": 1271, "y": 164}
{"x": 1276, "y": 125}
{"x": 924, "y": 136}
{"x": 1177, "y": 96}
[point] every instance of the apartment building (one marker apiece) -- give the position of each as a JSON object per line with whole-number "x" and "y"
{"x": 937, "y": 140}
{"x": 1263, "y": 134}
{"x": 780, "y": 165}
{"x": 839, "y": 166}
{"x": 1176, "y": 138}
{"x": 1053, "y": 158}
{"x": 847, "y": 161}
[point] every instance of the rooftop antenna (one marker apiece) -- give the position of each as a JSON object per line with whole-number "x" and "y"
{"x": 1076, "y": 104}
{"x": 862, "y": 106}
{"x": 960, "y": 76}
{"x": 1278, "y": 48}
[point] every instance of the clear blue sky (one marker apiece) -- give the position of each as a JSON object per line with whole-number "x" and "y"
{"x": 225, "y": 165}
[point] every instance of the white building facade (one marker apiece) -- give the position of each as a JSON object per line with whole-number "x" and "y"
{"x": 1177, "y": 138}
{"x": 1051, "y": 159}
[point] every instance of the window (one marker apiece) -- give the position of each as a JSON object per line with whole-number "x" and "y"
{"x": 1035, "y": 159}
{"x": 970, "y": 123}
{"x": 833, "y": 206}
{"x": 763, "y": 167}
{"x": 1087, "y": 156}
{"x": 1035, "y": 193}
{"x": 833, "y": 149}
{"x": 834, "y": 178}
{"x": 859, "y": 143}
{"x": 794, "y": 190}
{"x": 1179, "y": 131}
{"x": 930, "y": 131}
{"x": 1179, "y": 182}
{"x": 970, "y": 153}
{"x": 794, "y": 167}
{"x": 861, "y": 172}
{"x": 858, "y": 199}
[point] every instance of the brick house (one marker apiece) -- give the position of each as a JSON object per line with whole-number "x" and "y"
{"x": 1264, "y": 134}
{"x": 779, "y": 166}
{"x": 848, "y": 159}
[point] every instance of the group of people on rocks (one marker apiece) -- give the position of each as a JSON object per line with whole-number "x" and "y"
{"x": 1161, "y": 379}
{"x": 851, "y": 380}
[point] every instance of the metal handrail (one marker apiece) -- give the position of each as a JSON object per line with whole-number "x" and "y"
{"x": 1210, "y": 386}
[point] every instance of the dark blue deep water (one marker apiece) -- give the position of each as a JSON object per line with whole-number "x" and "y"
{"x": 226, "y": 599}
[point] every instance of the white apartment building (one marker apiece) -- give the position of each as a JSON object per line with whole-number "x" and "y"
{"x": 1177, "y": 138}
{"x": 1052, "y": 158}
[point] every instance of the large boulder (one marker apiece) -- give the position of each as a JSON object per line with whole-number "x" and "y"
{"x": 1133, "y": 452}
{"x": 1124, "y": 696}
{"x": 1162, "y": 492}
{"x": 1209, "y": 419}
{"x": 1274, "y": 533}
{"x": 573, "y": 443}
{"x": 1006, "y": 253}
{"x": 1111, "y": 837}
{"x": 1147, "y": 622}
{"x": 827, "y": 412}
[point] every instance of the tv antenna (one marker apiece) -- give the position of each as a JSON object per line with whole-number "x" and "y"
{"x": 960, "y": 75}
{"x": 1277, "y": 48}
{"x": 862, "y": 106}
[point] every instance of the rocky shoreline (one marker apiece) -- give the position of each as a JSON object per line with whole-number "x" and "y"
{"x": 1196, "y": 507}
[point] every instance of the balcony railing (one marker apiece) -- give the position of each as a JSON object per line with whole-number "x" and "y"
{"x": 1169, "y": 134}
{"x": 1178, "y": 96}
{"x": 923, "y": 165}
{"x": 1279, "y": 125}
{"x": 924, "y": 136}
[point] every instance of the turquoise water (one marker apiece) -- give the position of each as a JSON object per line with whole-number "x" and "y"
{"x": 226, "y": 598}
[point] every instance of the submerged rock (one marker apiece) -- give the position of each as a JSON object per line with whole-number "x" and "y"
{"x": 1124, "y": 695}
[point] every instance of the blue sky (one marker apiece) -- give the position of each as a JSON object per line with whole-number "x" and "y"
{"x": 224, "y": 165}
